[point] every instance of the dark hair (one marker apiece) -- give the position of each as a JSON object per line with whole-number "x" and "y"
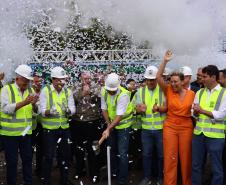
{"x": 211, "y": 70}
{"x": 130, "y": 80}
{"x": 179, "y": 74}
{"x": 224, "y": 72}
{"x": 142, "y": 81}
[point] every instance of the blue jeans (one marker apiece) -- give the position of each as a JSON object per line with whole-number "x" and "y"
{"x": 11, "y": 145}
{"x": 152, "y": 139}
{"x": 214, "y": 148}
{"x": 50, "y": 141}
{"x": 119, "y": 142}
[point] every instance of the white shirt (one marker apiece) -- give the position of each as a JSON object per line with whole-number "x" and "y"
{"x": 122, "y": 103}
{"x": 221, "y": 113}
{"x": 43, "y": 101}
{"x": 6, "y": 106}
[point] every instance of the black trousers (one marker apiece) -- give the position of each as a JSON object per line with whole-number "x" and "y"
{"x": 83, "y": 134}
{"x": 52, "y": 139}
{"x": 13, "y": 144}
{"x": 38, "y": 146}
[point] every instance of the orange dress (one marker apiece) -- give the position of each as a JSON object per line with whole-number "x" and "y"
{"x": 177, "y": 137}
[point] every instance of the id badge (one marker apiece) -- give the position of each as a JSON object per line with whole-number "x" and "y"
{"x": 26, "y": 130}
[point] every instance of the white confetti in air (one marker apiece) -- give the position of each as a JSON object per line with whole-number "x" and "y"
{"x": 69, "y": 141}
{"x": 59, "y": 140}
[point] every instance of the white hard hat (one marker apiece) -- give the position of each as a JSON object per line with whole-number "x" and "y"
{"x": 112, "y": 82}
{"x": 186, "y": 71}
{"x": 58, "y": 72}
{"x": 150, "y": 72}
{"x": 24, "y": 71}
{"x": 167, "y": 71}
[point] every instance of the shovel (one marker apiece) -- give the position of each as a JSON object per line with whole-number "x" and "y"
{"x": 96, "y": 145}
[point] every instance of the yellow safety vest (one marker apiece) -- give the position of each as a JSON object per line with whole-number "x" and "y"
{"x": 35, "y": 118}
{"x": 56, "y": 121}
{"x": 150, "y": 120}
{"x": 127, "y": 118}
{"x": 15, "y": 124}
{"x": 210, "y": 127}
{"x": 136, "y": 118}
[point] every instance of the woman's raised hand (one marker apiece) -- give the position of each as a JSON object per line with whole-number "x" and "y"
{"x": 168, "y": 55}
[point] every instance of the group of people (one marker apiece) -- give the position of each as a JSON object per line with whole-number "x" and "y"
{"x": 181, "y": 122}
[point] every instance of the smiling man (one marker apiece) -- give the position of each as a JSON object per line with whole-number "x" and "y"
{"x": 17, "y": 105}
{"x": 209, "y": 132}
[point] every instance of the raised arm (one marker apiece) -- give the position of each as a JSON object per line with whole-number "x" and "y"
{"x": 167, "y": 57}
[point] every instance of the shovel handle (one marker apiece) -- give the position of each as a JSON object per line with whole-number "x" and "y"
{"x": 101, "y": 140}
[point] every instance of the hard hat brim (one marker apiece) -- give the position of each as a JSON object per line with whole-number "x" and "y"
{"x": 53, "y": 76}
{"x": 111, "y": 89}
{"x": 148, "y": 77}
{"x": 29, "y": 78}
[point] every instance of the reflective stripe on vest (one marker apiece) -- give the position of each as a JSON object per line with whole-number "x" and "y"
{"x": 210, "y": 130}
{"x": 15, "y": 124}
{"x": 210, "y": 127}
{"x": 54, "y": 122}
{"x": 152, "y": 121}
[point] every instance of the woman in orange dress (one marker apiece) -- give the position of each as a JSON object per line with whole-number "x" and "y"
{"x": 178, "y": 127}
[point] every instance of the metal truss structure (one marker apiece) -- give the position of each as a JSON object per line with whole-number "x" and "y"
{"x": 94, "y": 56}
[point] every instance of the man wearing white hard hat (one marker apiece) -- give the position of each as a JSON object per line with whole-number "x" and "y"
{"x": 187, "y": 71}
{"x": 150, "y": 103}
{"x": 17, "y": 105}
{"x": 166, "y": 75}
{"x": 118, "y": 114}
{"x": 57, "y": 104}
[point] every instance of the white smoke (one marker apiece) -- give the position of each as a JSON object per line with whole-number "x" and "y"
{"x": 15, "y": 16}
{"x": 192, "y": 29}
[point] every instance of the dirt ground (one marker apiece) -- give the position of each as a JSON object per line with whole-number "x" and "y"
{"x": 134, "y": 178}
{"x": 135, "y": 174}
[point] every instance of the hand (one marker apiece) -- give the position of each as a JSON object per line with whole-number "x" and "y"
{"x": 141, "y": 108}
{"x": 35, "y": 98}
{"x": 197, "y": 109}
{"x": 53, "y": 112}
{"x": 168, "y": 55}
{"x": 155, "y": 108}
{"x": 67, "y": 112}
{"x": 47, "y": 113}
{"x": 31, "y": 99}
{"x": 106, "y": 133}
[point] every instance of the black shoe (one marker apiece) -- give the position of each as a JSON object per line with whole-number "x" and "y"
{"x": 95, "y": 179}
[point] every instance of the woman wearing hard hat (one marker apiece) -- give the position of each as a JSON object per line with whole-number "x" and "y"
{"x": 177, "y": 129}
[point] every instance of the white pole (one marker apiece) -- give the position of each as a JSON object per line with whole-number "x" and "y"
{"x": 109, "y": 164}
